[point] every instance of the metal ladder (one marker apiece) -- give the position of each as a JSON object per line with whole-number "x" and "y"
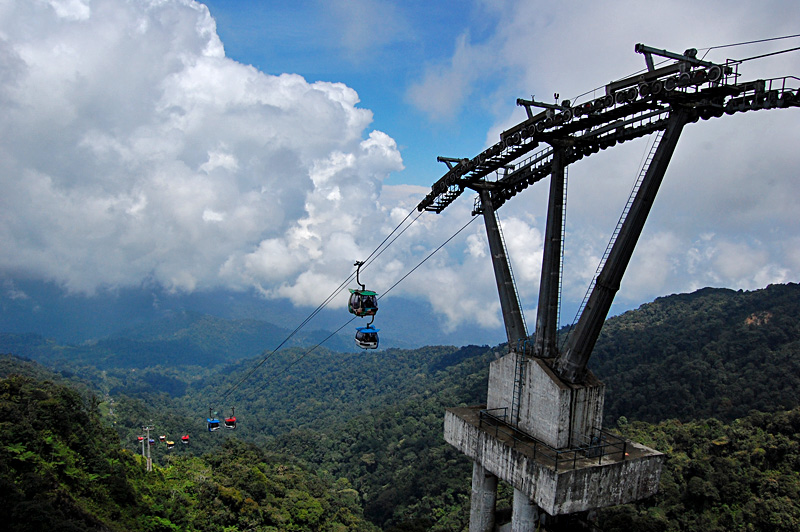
{"x": 642, "y": 172}
{"x": 519, "y": 380}
{"x": 511, "y": 271}
{"x": 563, "y": 240}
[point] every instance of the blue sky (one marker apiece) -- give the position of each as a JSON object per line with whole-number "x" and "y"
{"x": 265, "y": 146}
{"x": 381, "y": 49}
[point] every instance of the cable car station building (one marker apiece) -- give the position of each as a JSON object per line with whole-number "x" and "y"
{"x": 541, "y": 427}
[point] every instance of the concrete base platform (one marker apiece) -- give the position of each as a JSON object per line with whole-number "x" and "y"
{"x": 557, "y": 485}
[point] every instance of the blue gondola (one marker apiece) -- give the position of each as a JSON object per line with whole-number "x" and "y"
{"x": 213, "y": 422}
{"x": 367, "y": 337}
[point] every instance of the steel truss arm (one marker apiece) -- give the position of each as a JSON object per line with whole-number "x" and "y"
{"x": 571, "y": 362}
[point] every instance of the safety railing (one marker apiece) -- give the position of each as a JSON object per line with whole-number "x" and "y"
{"x": 598, "y": 445}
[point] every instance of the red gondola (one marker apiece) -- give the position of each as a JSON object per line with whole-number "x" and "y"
{"x": 185, "y": 439}
{"x": 230, "y": 422}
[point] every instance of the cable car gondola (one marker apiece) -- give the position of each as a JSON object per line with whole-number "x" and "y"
{"x": 213, "y": 422}
{"x": 162, "y": 438}
{"x": 170, "y": 444}
{"x": 367, "y": 337}
{"x": 230, "y": 422}
{"x": 185, "y": 439}
{"x": 362, "y": 302}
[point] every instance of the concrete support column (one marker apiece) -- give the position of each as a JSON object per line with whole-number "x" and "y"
{"x": 524, "y": 513}
{"x": 484, "y": 498}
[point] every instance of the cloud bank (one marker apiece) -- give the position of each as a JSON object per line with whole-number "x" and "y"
{"x": 134, "y": 152}
{"x": 133, "y": 149}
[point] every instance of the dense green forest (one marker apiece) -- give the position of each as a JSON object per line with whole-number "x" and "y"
{"x": 709, "y": 378}
{"x": 712, "y": 353}
{"x": 62, "y": 469}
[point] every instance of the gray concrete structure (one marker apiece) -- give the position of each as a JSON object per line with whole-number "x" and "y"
{"x": 483, "y": 500}
{"x": 524, "y": 513}
{"x": 554, "y": 411}
{"x": 573, "y": 482}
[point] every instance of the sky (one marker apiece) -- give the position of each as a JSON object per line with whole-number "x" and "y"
{"x": 264, "y": 145}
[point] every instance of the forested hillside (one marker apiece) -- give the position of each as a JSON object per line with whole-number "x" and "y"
{"x": 714, "y": 352}
{"x": 375, "y": 418}
{"x": 719, "y": 477}
{"x": 61, "y": 469}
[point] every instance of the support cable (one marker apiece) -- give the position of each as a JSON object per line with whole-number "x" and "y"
{"x": 770, "y": 54}
{"x": 372, "y": 256}
{"x": 412, "y": 270}
{"x": 750, "y": 42}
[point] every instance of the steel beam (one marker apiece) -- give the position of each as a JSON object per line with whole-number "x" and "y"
{"x": 571, "y": 362}
{"x": 549, "y": 283}
{"x": 509, "y": 304}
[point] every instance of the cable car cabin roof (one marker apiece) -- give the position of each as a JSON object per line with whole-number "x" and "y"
{"x": 366, "y": 330}
{"x": 363, "y": 292}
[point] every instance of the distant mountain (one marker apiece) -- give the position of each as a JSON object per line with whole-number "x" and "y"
{"x": 45, "y": 309}
{"x": 177, "y": 339}
{"x": 714, "y": 352}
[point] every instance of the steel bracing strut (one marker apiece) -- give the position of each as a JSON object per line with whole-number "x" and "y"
{"x": 509, "y": 304}
{"x": 571, "y": 362}
{"x": 544, "y": 344}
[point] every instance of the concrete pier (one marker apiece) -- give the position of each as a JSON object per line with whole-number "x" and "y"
{"x": 525, "y": 514}
{"x": 483, "y": 501}
{"x": 569, "y": 482}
